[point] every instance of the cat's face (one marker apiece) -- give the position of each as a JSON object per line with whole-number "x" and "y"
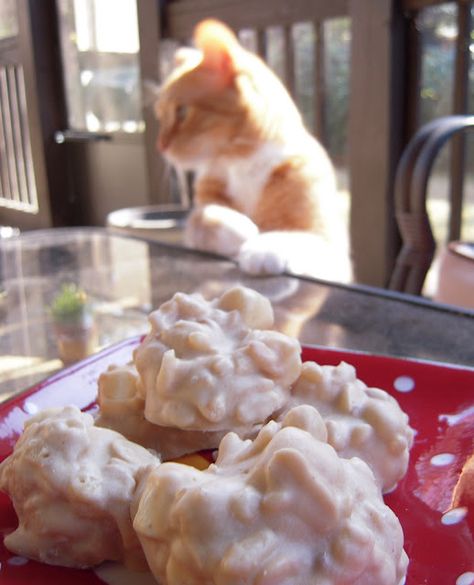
{"x": 213, "y": 104}
{"x": 198, "y": 116}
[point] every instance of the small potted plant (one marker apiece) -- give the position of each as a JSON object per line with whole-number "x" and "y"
{"x": 73, "y": 323}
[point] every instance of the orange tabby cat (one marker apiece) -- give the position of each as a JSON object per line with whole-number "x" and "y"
{"x": 265, "y": 188}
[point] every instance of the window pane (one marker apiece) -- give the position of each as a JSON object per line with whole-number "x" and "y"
{"x": 100, "y": 47}
{"x": 275, "y": 48}
{"x": 305, "y": 70}
{"x": 337, "y": 37}
{"x": 467, "y": 228}
{"x": 248, "y": 39}
{"x": 438, "y": 29}
{"x": 8, "y": 19}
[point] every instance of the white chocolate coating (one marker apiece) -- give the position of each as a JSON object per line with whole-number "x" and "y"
{"x": 361, "y": 422}
{"x": 204, "y": 367}
{"x": 71, "y": 485}
{"x": 121, "y": 408}
{"x": 282, "y": 510}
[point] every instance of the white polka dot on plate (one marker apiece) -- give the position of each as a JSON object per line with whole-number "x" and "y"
{"x": 404, "y": 384}
{"x": 30, "y": 408}
{"x": 442, "y": 459}
{"x": 17, "y": 561}
{"x": 454, "y": 516}
{"x": 465, "y": 579}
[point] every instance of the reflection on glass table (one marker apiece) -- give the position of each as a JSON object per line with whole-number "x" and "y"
{"x": 124, "y": 278}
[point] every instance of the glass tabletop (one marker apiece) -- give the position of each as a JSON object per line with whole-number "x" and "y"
{"x": 126, "y": 277}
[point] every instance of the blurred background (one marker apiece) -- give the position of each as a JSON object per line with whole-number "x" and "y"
{"x": 77, "y": 132}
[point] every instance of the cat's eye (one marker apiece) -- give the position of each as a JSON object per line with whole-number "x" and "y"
{"x": 181, "y": 113}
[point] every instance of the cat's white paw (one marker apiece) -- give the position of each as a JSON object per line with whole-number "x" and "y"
{"x": 301, "y": 253}
{"x": 261, "y": 262}
{"x": 219, "y": 229}
{"x": 255, "y": 257}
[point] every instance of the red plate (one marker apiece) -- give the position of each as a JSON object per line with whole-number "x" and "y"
{"x": 438, "y": 398}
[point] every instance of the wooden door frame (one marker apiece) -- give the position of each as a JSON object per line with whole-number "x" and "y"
{"x": 18, "y": 52}
{"x": 37, "y": 46}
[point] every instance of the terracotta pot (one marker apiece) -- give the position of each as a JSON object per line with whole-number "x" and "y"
{"x": 456, "y": 275}
{"x": 75, "y": 341}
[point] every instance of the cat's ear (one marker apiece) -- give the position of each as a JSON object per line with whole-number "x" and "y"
{"x": 217, "y": 43}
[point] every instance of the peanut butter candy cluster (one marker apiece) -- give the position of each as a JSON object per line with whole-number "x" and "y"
{"x": 211, "y": 365}
{"x": 284, "y": 509}
{"x": 72, "y": 484}
{"x": 122, "y": 408}
{"x": 294, "y": 496}
{"x": 360, "y": 421}
{"x": 205, "y": 368}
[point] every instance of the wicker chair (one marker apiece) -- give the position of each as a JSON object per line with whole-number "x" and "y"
{"x": 413, "y": 171}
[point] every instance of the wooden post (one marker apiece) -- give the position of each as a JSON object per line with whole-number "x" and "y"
{"x": 149, "y": 28}
{"x": 375, "y": 128}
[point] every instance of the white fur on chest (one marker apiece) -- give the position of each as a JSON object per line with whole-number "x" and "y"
{"x": 245, "y": 178}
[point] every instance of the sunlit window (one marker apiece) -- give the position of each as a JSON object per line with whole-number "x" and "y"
{"x": 100, "y": 46}
{"x": 8, "y": 19}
